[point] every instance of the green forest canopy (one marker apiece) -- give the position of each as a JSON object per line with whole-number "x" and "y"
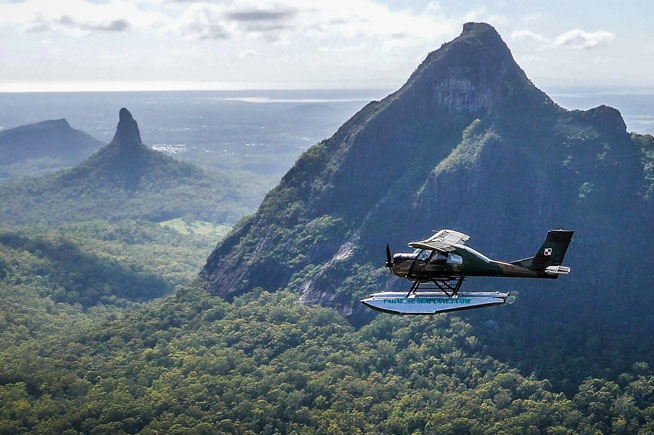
{"x": 193, "y": 363}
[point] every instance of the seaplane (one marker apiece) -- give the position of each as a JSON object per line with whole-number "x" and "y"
{"x": 439, "y": 264}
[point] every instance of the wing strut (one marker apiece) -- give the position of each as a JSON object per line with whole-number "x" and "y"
{"x": 443, "y": 285}
{"x": 414, "y": 287}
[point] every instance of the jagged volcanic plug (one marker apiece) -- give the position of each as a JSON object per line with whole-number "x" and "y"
{"x": 126, "y": 158}
{"x": 468, "y": 143}
{"x": 124, "y": 180}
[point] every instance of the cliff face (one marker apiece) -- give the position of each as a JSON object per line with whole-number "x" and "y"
{"x": 468, "y": 143}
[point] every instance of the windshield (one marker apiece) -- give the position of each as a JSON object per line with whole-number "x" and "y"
{"x": 421, "y": 254}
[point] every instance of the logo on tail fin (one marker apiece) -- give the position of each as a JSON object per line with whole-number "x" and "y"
{"x": 550, "y": 253}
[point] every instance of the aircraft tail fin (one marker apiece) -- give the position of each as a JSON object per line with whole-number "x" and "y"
{"x": 551, "y": 252}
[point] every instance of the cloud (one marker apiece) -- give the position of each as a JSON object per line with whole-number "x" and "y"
{"x": 40, "y": 24}
{"x": 346, "y": 23}
{"x": 532, "y": 18}
{"x": 482, "y": 14}
{"x": 577, "y": 38}
{"x": 247, "y": 54}
{"x": 82, "y": 17}
{"x": 218, "y": 21}
{"x": 343, "y": 48}
{"x": 203, "y": 22}
{"x": 118, "y": 25}
{"x": 524, "y": 35}
{"x": 79, "y": 17}
{"x": 260, "y": 15}
{"x": 262, "y": 20}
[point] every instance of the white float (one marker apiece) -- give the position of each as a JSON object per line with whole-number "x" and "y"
{"x": 433, "y": 302}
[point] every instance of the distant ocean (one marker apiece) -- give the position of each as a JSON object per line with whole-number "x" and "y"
{"x": 637, "y": 109}
{"x": 258, "y": 132}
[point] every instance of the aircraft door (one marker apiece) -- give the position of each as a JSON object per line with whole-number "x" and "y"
{"x": 438, "y": 258}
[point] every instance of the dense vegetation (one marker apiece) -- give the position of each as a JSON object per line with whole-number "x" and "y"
{"x": 193, "y": 363}
{"x": 97, "y": 262}
{"x": 73, "y": 195}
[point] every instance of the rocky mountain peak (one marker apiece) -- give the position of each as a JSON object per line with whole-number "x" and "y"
{"x": 474, "y": 73}
{"x": 126, "y": 157}
{"x": 126, "y": 161}
{"x": 467, "y": 143}
{"x": 127, "y": 132}
{"x": 57, "y": 123}
{"x": 51, "y": 125}
{"x": 606, "y": 118}
{"x": 481, "y": 31}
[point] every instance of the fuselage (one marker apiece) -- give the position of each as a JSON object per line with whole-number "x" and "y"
{"x": 426, "y": 265}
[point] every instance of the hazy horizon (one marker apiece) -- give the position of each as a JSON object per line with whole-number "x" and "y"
{"x": 87, "y": 110}
{"x": 99, "y": 87}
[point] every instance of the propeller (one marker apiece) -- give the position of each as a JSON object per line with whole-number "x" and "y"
{"x": 389, "y": 258}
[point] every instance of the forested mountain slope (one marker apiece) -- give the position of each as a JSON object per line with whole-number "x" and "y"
{"x": 28, "y": 149}
{"x": 468, "y": 143}
{"x": 96, "y": 262}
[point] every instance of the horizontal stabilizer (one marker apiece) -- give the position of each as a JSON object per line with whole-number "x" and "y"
{"x": 557, "y": 270}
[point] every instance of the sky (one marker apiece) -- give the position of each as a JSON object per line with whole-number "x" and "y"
{"x": 93, "y": 45}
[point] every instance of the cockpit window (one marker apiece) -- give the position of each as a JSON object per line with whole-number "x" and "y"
{"x": 423, "y": 254}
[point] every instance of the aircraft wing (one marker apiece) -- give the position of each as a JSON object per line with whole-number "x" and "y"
{"x": 442, "y": 241}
